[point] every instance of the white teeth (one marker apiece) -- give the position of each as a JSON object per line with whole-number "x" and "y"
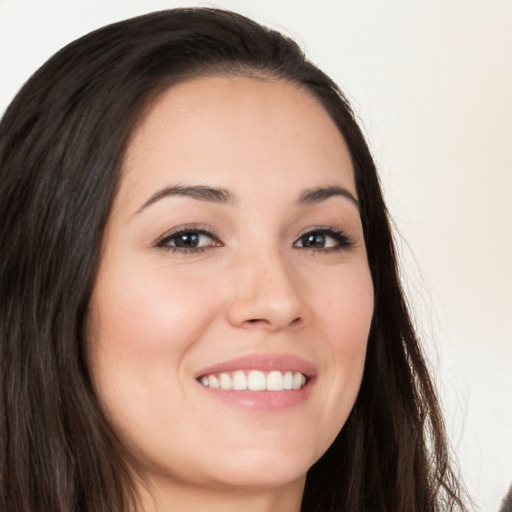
{"x": 255, "y": 380}
{"x": 225, "y": 381}
{"x": 239, "y": 381}
{"x": 288, "y": 380}
{"x": 297, "y": 380}
{"x": 275, "y": 381}
{"x": 213, "y": 381}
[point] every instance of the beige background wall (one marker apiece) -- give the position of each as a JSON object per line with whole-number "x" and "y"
{"x": 432, "y": 84}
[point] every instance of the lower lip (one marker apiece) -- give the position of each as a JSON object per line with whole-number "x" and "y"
{"x": 262, "y": 400}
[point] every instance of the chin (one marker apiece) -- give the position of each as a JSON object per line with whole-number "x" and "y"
{"x": 247, "y": 476}
{"x": 264, "y": 468}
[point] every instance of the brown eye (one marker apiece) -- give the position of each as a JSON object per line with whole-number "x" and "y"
{"x": 188, "y": 240}
{"x": 313, "y": 240}
{"x": 324, "y": 239}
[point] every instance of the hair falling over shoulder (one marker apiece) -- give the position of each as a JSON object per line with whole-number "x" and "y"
{"x": 62, "y": 141}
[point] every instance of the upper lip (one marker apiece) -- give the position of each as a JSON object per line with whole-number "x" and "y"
{"x": 262, "y": 362}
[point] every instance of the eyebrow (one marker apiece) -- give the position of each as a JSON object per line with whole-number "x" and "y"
{"x": 223, "y": 196}
{"x": 200, "y": 192}
{"x": 319, "y": 194}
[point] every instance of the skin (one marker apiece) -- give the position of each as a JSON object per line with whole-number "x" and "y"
{"x": 158, "y": 315}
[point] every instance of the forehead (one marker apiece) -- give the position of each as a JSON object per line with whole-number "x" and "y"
{"x": 236, "y": 132}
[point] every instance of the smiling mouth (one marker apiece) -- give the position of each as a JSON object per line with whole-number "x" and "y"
{"x": 255, "y": 380}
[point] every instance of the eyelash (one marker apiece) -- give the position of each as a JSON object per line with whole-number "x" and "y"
{"x": 164, "y": 241}
{"x": 343, "y": 241}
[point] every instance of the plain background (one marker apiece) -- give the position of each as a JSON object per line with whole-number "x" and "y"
{"x": 432, "y": 85}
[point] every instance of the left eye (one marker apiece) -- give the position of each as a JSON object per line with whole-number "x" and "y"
{"x": 324, "y": 239}
{"x": 188, "y": 240}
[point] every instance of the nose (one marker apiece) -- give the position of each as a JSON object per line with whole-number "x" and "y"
{"x": 267, "y": 295}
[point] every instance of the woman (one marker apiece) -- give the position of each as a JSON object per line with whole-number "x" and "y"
{"x": 201, "y": 302}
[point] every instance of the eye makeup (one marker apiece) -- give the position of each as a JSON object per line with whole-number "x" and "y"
{"x": 324, "y": 239}
{"x": 188, "y": 239}
{"x": 195, "y": 238}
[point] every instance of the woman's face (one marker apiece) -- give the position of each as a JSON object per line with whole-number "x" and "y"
{"x": 233, "y": 257}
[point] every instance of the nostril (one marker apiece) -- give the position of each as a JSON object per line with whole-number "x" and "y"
{"x": 263, "y": 321}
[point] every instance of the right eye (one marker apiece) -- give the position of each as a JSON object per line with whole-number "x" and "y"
{"x": 325, "y": 239}
{"x": 188, "y": 240}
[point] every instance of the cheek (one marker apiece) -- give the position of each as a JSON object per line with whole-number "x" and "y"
{"x": 149, "y": 313}
{"x": 351, "y": 326}
{"x": 142, "y": 324}
{"x": 346, "y": 309}
{"x": 344, "y": 315}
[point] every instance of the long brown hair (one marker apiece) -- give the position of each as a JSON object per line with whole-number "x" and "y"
{"x": 62, "y": 141}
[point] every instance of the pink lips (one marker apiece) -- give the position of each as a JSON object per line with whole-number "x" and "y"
{"x": 262, "y": 400}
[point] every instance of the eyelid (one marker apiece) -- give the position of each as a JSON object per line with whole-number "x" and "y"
{"x": 201, "y": 229}
{"x": 344, "y": 240}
